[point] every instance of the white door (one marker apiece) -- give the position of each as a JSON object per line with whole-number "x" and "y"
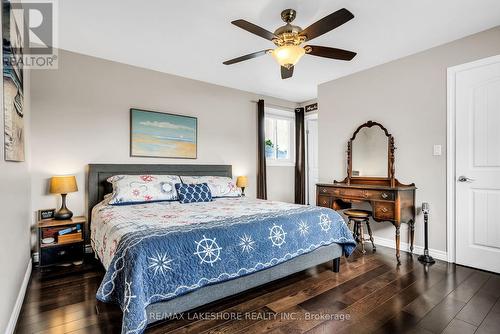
{"x": 477, "y": 168}
{"x": 312, "y": 159}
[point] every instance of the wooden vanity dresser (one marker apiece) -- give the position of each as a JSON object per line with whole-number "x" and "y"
{"x": 390, "y": 200}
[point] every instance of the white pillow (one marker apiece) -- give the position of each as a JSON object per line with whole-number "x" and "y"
{"x": 220, "y": 186}
{"x": 129, "y": 189}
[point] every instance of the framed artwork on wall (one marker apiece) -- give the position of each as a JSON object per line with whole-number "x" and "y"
{"x": 162, "y": 135}
{"x": 13, "y": 97}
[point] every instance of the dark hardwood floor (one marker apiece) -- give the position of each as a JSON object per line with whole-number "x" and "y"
{"x": 369, "y": 295}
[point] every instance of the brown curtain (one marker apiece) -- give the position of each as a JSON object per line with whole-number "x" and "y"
{"x": 261, "y": 151}
{"x": 300, "y": 157}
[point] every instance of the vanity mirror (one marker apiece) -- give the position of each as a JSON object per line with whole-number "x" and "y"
{"x": 370, "y": 154}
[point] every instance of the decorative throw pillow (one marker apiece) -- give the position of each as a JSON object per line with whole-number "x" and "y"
{"x": 133, "y": 189}
{"x": 192, "y": 193}
{"x": 220, "y": 186}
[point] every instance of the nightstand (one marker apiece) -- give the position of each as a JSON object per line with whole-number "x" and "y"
{"x": 67, "y": 248}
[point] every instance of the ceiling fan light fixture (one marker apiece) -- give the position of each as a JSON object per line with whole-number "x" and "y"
{"x": 288, "y": 55}
{"x": 290, "y": 39}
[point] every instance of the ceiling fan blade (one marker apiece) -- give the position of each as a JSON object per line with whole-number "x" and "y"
{"x": 323, "y": 51}
{"x": 254, "y": 29}
{"x": 327, "y": 23}
{"x": 286, "y": 72}
{"x": 245, "y": 57}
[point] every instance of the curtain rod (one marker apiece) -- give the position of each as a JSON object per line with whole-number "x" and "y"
{"x": 275, "y": 105}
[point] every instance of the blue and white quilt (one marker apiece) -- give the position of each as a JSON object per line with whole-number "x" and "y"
{"x": 158, "y": 251}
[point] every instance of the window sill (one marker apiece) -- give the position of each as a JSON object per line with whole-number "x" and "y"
{"x": 280, "y": 164}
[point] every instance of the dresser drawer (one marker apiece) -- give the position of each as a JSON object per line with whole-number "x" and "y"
{"x": 363, "y": 194}
{"x": 328, "y": 191}
{"x": 61, "y": 254}
{"x": 383, "y": 210}
{"x": 380, "y": 195}
{"x": 324, "y": 201}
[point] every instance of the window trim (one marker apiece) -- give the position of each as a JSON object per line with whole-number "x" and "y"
{"x": 283, "y": 115}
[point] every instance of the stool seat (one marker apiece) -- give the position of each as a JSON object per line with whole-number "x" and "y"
{"x": 355, "y": 213}
{"x": 360, "y": 217}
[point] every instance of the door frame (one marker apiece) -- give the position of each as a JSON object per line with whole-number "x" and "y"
{"x": 451, "y": 150}
{"x": 308, "y": 117}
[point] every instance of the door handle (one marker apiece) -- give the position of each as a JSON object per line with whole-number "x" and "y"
{"x": 465, "y": 179}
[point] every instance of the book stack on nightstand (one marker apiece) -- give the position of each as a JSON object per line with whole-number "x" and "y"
{"x": 61, "y": 241}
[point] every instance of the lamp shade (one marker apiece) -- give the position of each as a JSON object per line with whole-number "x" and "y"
{"x": 63, "y": 184}
{"x": 241, "y": 181}
{"x": 288, "y": 55}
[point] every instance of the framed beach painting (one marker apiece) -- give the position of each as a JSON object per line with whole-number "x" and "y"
{"x": 13, "y": 95}
{"x": 162, "y": 135}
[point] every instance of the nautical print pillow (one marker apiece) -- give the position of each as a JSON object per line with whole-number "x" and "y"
{"x": 220, "y": 186}
{"x": 193, "y": 193}
{"x": 133, "y": 189}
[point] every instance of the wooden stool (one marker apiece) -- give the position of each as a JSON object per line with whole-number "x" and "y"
{"x": 359, "y": 217}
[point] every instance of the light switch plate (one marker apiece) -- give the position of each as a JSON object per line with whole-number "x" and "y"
{"x": 437, "y": 150}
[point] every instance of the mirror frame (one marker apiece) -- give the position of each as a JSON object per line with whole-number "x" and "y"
{"x": 390, "y": 161}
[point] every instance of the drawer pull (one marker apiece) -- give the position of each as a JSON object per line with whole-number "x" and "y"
{"x": 384, "y": 210}
{"x": 60, "y": 253}
{"x": 384, "y": 195}
{"x": 324, "y": 202}
{"x": 324, "y": 190}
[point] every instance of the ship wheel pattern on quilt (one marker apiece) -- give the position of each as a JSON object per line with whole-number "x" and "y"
{"x": 277, "y": 235}
{"x": 208, "y": 250}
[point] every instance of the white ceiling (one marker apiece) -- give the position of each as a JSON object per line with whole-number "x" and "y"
{"x": 192, "y": 38}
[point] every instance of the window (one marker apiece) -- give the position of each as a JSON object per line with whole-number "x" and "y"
{"x": 280, "y": 138}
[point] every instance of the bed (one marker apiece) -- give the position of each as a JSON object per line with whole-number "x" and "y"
{"x": 165, "y": 258}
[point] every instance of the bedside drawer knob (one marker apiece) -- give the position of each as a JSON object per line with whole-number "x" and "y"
{"x": 384, "y": 210}
{"x": 324, "y": 202}
{"x": 61, "y": 252}
{"x": 323, "y": 190}
{"x": 384, "y": 195}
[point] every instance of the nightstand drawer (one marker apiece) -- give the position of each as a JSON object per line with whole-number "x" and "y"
{"x": 61, "y": 254}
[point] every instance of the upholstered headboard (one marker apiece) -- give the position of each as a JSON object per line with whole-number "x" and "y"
{"x": 98, "y": 173}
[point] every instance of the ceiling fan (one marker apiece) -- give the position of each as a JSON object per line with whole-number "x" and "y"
{"x": 289, "y": 38}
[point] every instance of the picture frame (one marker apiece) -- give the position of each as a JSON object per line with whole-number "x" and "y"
{"x": 13, "y": 86}
{"x": 155, "y": 134}
{"x": 46, "y": 214}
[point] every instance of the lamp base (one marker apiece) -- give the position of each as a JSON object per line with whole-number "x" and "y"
{"x": 425, "y": 258}
{"x": 243, "y": 191}
{"x": 64, "y": 213}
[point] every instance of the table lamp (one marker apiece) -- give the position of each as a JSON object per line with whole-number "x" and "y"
{"x": 63, "y": 185}
{"x": 242, "y": 182}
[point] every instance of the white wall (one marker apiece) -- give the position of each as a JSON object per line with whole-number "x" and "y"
{"x": 408, "y": 96}
{"x": 81, "y": 116}
{"x": 15, "y": 217}
{"x": 281, "y": 183}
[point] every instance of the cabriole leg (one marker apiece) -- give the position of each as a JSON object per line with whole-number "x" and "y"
{"x": 411, "y": 224}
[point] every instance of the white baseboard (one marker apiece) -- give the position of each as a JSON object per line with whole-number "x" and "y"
{"x": 11, "y": 326}
{"x": 437, "y": 254}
